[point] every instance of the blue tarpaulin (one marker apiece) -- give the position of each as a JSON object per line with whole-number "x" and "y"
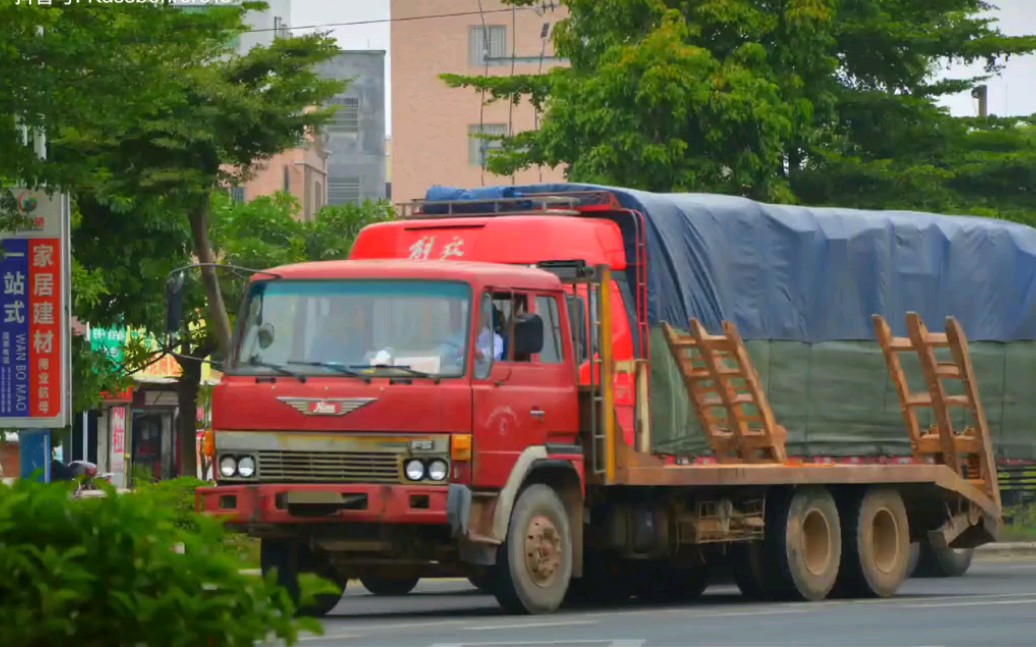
{"x": 808, "y": 274}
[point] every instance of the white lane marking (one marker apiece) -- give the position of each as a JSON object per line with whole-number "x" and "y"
{"x": 529, "y": 643}
{"x": 973, "y": 603}
{"x": 330, "y": 637}
{"x": 531, "y": 625}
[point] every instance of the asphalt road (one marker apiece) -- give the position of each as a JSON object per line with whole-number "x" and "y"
{"x": 994, "y": 605}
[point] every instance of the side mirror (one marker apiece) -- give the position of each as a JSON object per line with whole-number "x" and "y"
{"x": 265, "y": 335}
{"x": 528, "y": 334}
{"x": 174, "y": 303}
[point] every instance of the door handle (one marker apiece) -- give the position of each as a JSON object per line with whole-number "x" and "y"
{"x": 537, "y": 413}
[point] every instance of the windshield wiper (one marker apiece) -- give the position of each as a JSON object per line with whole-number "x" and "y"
{"x": 413, "y": 372}
{"x": 254, "y": 361}
{"x": 334, "y": 366}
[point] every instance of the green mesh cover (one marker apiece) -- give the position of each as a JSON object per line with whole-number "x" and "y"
{"x": 837, "y": 399}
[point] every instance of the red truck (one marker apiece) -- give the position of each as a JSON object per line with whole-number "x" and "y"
{"x": 473, "y": 393}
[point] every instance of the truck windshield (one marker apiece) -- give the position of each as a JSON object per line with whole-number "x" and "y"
{"x": 340, "y": 327}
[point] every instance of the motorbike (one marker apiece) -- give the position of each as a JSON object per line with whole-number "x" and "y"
{"x": 83, "y": 472}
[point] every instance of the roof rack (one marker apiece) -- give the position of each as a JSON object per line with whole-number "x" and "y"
{"x": 551, "y": 204}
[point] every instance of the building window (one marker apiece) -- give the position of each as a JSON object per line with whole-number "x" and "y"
{"x": 490, "y": 42}
{"x": 287, "y": 179}
{"x": 280, "y": 30}
{"x": 343, "y": 191}
{"x": 347, "y": 116}
{"x": 478, "y": 148}
{"x": 237, "y": 194}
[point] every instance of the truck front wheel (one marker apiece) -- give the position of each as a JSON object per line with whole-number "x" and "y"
{"x": 804, "y": 543}
{"x": 290, "y": 559}
{"x": 389, "y": 586}
{"x": 534, "y": 564}
{"x": 876, "y": 554}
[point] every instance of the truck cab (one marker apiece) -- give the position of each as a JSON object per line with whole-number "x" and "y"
{"x": 360, "y": 393}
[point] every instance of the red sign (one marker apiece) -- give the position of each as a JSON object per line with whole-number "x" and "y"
{"x": 45, "y": 326}
{"x": 118, "y": 462}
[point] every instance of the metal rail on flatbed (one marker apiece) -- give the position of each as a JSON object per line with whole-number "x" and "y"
{"x": 749, "y": 444}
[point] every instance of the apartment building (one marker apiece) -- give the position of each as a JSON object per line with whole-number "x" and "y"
{"x": 355, "y": 140}
{"x": 433, "y": 125}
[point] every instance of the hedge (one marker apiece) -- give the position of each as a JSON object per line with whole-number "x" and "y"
{"x": 105, "y": 571}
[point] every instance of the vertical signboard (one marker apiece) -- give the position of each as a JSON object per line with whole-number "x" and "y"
{"x": 118, "y": 446}
{"x": 35, "y": 353}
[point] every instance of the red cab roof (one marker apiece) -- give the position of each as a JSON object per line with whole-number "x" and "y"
{"x": 472, "y": 272}
{"x": 524, "y": 239}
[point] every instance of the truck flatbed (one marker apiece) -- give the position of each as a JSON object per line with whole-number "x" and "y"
{"x": 749, "y": 444}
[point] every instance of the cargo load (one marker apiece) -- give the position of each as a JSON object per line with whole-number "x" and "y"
{"x": 802, "y": 284}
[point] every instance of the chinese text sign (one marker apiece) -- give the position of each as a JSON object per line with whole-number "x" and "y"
{"x": 34, "y": 362}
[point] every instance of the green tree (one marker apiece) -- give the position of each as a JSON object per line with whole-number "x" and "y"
{"x": 791, "y": 100}
{"x": 147, "y": 110}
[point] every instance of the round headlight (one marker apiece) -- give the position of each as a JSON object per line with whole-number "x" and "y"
{"x": 227, "y": 466}
{"x": 246, "y": 467}
{"x": 414, "y": 469}
{"x": 437, "y": 470}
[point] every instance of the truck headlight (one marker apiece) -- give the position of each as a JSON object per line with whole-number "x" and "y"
{"x": 246, "y": 467}
{"x": 227, "y": 466}
{"x": 438, "y": 470}
{"x": 414, "y": 469}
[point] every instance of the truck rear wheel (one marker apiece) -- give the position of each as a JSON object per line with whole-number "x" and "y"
{"x": 803, "y": 544}
{"x": 943, "y": 562}
{"x": 290, "y": 559}
{"x": 389, "y": 586}
{"x": 876, "y": 552}
{"x": 915, "y": 555}
{"x": 535, "y": 562}
{"x": 747, "y": 563}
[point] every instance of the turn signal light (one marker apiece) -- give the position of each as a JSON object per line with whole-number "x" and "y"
{"x": 460, "y": 447}
{"x": 208, "y": 443}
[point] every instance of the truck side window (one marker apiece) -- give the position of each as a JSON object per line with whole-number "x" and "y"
{"x": 547, "y": 309}
{"x": 506, "y": 306}
{"x": 487, "y": 346}
{"x": 582, "y": 328}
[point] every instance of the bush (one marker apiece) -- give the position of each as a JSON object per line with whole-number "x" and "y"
{"x": 178, "y": 495}
{"x": 105, "y": 571}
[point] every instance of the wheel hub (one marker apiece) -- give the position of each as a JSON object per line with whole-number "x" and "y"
{"x": 543, "y": 551}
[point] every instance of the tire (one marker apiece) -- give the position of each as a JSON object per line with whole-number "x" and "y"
{"x": 803, "y": 544}
{"x": 876, "y": 544}
{"x": 538, "y": 528}
{"x": 748, "y": 568}
{"x": 389, "y": 586}
{"x": 480, "y": 582}
{"x": 915, "y": 555}
{"x": 665, "y": 583}
{"x": 290, "y": 559}
{"x": 605, "y": 581}
{"x": 945, "y": 562}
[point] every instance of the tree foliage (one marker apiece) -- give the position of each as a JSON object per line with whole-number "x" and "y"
{"x": 147, "y": 111}
{"x": 107, "y": 571}
{"x": 818, "y": 101}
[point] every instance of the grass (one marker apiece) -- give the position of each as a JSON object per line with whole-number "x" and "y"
{"x": 1021, "y": 524}
{"x": 246, "y": 548}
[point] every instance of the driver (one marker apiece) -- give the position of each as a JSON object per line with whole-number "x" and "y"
{"x": 342, "y": 339}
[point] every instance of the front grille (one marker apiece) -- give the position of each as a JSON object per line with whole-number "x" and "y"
{"x": 329, "y": 467}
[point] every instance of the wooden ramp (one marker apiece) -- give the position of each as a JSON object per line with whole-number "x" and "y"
{"x": 725, "y": 389}
{"x": 967, "y": 451}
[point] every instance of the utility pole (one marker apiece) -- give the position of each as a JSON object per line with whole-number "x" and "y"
{"x": 981, "y": 92}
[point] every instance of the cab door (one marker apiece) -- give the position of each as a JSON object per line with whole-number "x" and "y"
{"x": 519, "y": 400}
